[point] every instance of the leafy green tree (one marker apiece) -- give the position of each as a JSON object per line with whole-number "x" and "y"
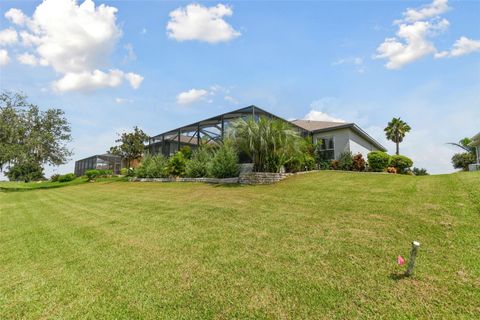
{"x": 396, "y": 131}
{"x": 30, "y": 137}
{"x": 25, "y": 171}
{"x": 269, "y": 143}
{"x": 132, "y": 145}
{"x": 462, "y": 160}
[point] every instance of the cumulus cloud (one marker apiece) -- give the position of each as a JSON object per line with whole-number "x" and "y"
{"x": 191, "y": 96}
{"x": 97, "y": 79}
{"x": 30, "y": 59}
{"x": 4, "y": 58}
{"x": 413, "y": 39}
{"x": 461, "y": 47}
{"x": 317, "y": 110}
{"x": 434, "y": 9}
{"x": 76, "y": 40}
{"x": 8, "y": 37}
{"x": 196, "y": 22}
{"x": 16, "y": 16}
{"x": 134, "y": 79}
{"x": 321, "y": 116}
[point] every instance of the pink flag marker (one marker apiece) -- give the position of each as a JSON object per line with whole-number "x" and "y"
{"x": 400, "y": 260}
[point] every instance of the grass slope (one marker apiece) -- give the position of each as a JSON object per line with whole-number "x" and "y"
{"x": 321, "y": 245}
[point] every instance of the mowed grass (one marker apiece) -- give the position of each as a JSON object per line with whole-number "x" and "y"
{"x": 320, "y": 245}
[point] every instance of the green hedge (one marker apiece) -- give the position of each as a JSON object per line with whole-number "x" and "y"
{"x": 378, "y": 161}
{"x": 401, "y": 163}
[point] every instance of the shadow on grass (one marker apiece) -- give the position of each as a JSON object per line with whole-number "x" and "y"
{"x": 398, "y": 276}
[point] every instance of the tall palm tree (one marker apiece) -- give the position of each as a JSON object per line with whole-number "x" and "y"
{"x": 396, "y": 131}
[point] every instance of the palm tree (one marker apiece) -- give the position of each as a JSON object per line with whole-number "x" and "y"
{"x": 464, "y": 144}
{"x": 269, "y": 143}
{"x": 396, "y": 131}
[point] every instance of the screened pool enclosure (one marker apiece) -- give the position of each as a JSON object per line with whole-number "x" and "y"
{"x": 101, "y": 162}
{"x": 211, "y": 130}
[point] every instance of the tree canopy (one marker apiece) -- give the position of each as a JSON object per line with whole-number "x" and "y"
{"x": 396, "y": 131}
{"x": 29, "y": 136}
{"x": 132, "y": 145}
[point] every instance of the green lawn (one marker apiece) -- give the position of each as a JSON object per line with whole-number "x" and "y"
{"x": 320, "y": 245}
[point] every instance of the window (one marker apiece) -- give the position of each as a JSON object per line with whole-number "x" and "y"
{"x": 327, "y": 148}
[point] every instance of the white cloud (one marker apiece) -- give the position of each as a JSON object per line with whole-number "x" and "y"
{"x": 122, "y": 100}
{"x": 88, "y": 81}
{"x": 144, "y": 31}
{"x": 230, "y": 99}
{"x": 76, "y": 40}
{"x": 130, "y": 56}
{"x": 16, "y": 16}
{"x": 30, "y": 59}
{"x": 356, "y": 61}
{"x": 196, "y": 22}
{"x": 8, "y": 37}
{"x": 434, "y": 9}
{"x": 4, "y": 58}
{"x": 317, "y": 112}
{"x": 413, "y": 38}
{"x": 134, "y": 79}
{"x": 414, "y": 43}
{"x": 321, "y": 116}
{"x": 191, "y": 96}
{"x": 461, "y": 47}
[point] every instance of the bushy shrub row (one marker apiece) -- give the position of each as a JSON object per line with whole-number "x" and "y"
{"x": 379, "y": 161}
{"x": 96, "y": 173}
{"x": 220, "y": 162}
{"x": 67, "y": 177}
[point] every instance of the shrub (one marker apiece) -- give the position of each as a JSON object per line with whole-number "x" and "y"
{"x": 462, "y": 160}
{"x": 197, "y": 167}
{"x": 392, "y": 170}
{"x": 378, "y": 161}
{"x": 401, "y": 163}
{"x": 345, "y": 161}
{"x": 325, "y": 165}
{"x": 359, "y": 163}
{"x": 224, "y": 163}
{"x": 96, "y": 173}
{"x": 28, "y": 171}
{"x": 177, "y": 164}
{"x": 124, "y": 171}
{"x": 420, "y": 171}
{"x": 67, "y": 177}
{"x": 151, "y": 167}
{"x": 187, "y": 152}
{"x": 54, "y": 177}
{"x": 334, "y": 164}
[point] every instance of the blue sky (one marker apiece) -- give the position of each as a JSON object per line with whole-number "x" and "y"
{"x": 159, "y": 65}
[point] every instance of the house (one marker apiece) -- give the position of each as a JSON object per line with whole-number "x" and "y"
{"x": 105, "y": 161}
{"x": 336, "y": 137}
{"x": 475, "y": 143}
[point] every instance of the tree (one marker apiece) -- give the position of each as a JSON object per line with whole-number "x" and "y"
{"x": 270, "y": 143}
{"x": 131, "y": 145}
{"x": 396, "y": 131}
{"x": 464, "y": 144}
{"x": 462, "y": 160}
{"x": 30, "y": 137}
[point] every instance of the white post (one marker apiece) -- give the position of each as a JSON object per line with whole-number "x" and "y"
{"x": 413, "y": 255}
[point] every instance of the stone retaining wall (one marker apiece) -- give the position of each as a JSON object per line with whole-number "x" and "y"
{"x": 206, "y": 180}
{"x": 249, "y": 178}
{"x": 261, "y": 177}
